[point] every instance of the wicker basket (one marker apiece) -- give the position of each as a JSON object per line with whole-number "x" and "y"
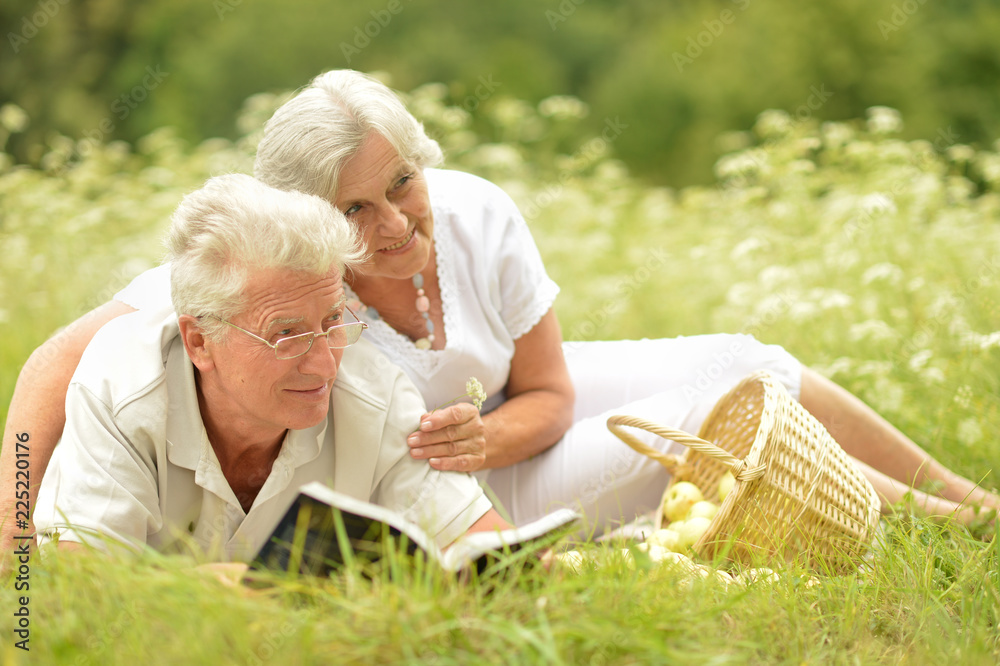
{"x": 797, "y": 495}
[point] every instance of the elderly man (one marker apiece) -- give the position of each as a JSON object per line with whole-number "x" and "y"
{"x": 202, "y": 435}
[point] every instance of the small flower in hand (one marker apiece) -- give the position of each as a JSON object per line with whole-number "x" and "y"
{"x": 473, "y": 389}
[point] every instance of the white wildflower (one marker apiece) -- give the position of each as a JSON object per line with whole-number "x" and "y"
{"x": 802, "y": 311}
{"x": 984, "y": 342}
{"x": 836, "y": 134}
{"x": 563, "y": 106}
{"x": 933, "y": 375}
{"x": 454, "y": 118}
{"x": 960, "y": 153}
{"x": 988, "y": 167}
{"x": 919, "y": 360}
{"x": 741, "y": 293}
{"x": 887, "y": 395}
{"x": 831, "y": 299}
{"x": 876, "y": 203}
{"x": 474, "y": 389}
{"x": 963, "y": 396}
{"x": 747, "y": 246}
{"x": 884, "y": 120}
{"x": 773, "y": 123}
{"x": 773, "y": 306}
{"x": 840, "y": 365}
{"x": 13, "y": 118}
{"x": 874, "y": 330}
{"x": 969, "y": 432}
{"x": 511, "y": 112}
{"x": 435, "y": 91}
{"x": 884, "y": 272}
{"x": 742, "y": 165}
{"x": 498, "y": 155}
{"x": 959, "y": 189}
{"x": 801, "y": 167}
{"x": 776, "y": 276}
{"x": 807, "y": 144}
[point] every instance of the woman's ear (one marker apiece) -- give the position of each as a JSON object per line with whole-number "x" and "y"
{"x": 195, "y": 342}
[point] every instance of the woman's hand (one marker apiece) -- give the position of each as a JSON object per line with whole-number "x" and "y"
{"x": 451, "y": 439}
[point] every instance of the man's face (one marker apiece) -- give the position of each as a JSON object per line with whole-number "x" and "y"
{"x": 246, "y": 385}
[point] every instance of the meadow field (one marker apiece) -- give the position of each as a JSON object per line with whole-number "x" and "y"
{"x": 875, "y": 260}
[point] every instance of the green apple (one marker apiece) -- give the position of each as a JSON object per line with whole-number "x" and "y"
{"x": 723, "y": 577}
{"x": 666, "y": 539}
{"x": 655, "y": 553}
{"x": 679, "y": 499}
{"x": 704, "y": 509}
{"x": 681, "y": 562}
{"x": 726, "y": 485}
{"x": 757, "y": 576}
{"x": 689, "y": 531}
{"x": 571, "y": 559}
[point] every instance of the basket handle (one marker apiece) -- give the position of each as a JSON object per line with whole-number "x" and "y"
{"x": 740, "y": 469}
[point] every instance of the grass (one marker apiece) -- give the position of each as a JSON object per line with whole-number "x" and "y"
{"x": 930, "y": 596}
{"x": 875, "y": 261}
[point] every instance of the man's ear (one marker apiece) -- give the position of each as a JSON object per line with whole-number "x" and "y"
{"x": 195, "y": 342}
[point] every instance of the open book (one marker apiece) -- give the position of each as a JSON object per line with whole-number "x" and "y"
{"x": 323, "y": 530}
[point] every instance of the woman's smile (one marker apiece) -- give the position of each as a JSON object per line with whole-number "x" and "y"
{"x": 400, "y": 244}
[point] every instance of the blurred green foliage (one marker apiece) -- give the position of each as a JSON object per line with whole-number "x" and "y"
{"x": 674, "y": 76}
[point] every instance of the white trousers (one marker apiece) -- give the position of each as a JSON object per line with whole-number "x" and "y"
{"x": 673, "y": 382}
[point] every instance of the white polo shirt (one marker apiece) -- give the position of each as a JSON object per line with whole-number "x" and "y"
{"x": 135, "y": 463}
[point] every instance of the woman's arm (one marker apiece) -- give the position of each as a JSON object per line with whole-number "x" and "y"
{"x": 536, "y": 414}
{"x": 37, "y": 414}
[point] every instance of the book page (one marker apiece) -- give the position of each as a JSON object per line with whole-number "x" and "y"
{"x": 471, "y": 547}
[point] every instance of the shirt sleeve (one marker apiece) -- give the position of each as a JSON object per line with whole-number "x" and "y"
{"x": 98, "y": 483}
{"x": 443, "y": 504}
{"x": 525, "y": 289}
{"x": 147, "y": 290}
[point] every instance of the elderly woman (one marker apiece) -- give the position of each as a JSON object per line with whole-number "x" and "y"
{"x": 454, "y": 287}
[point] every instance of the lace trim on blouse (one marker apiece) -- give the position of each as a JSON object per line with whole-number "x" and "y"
{"x": 544, "y": 298}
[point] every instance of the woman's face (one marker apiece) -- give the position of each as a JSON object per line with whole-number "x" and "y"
{"x": 387, "y": 199}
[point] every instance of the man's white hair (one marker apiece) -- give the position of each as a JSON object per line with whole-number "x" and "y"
{"x": 308, "y": 139}
{"x": 235, "y": 226}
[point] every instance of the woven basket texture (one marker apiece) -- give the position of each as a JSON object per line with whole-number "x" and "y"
{"x": 797, "y": 494}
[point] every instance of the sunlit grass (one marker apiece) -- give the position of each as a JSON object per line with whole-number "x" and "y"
{"x": 873, "y": 260}
{"x": 929, "y": 595}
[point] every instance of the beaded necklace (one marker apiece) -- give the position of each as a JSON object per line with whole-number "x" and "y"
{"x": 423, "y": 307}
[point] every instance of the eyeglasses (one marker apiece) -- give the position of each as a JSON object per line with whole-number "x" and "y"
{"x": 338, "y": 337}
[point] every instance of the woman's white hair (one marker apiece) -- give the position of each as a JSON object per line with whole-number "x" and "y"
{"x": 235, "y": 226}
{"x": 308, "y": 139}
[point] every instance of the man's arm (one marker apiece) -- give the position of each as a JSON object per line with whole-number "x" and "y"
{"x": 38, "y": 413}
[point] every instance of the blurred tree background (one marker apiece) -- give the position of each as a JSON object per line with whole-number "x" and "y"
{"x": 671, "y": 76}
